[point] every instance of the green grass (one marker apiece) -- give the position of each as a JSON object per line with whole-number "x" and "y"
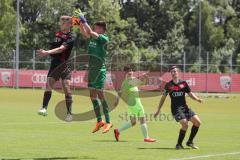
{"x": 25, "y": 135}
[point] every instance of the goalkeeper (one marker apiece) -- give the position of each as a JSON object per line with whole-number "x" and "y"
{"x": 97, "y": 44}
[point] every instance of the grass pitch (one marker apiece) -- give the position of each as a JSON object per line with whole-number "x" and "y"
{"x": 25, "y": 135}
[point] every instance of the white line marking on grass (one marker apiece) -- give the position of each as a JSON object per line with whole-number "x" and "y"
{"x": 207, "y": 156}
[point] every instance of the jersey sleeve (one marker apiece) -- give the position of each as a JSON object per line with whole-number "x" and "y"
{"x": 166, "y": 90}
{"x": 103, "y": 39}
{"x": 187, "y": 88}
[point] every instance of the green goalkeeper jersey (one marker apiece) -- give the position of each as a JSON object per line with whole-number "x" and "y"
{"x": 97, "y": 49}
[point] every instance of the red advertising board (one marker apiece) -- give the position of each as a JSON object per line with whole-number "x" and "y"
{"x": 211, "y": 82}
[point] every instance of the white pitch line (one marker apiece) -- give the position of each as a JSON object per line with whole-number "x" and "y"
{"x": 207, "y": 156}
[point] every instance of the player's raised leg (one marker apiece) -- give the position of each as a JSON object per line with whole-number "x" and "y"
{"x": 47, "y": 96}
{"x": 182, "y": 133}
{"x": 124, "y": 127}
{"x": 68, "y": 98}
{"x": 100, "y": 123}
{"x": 196, "y": 124}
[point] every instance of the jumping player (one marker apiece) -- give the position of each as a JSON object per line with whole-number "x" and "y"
{"x": 176, "y": 89}
{"x": 60, "y": 67}
{"x": 97, "y": 43}
{"x": 129, "y": 93}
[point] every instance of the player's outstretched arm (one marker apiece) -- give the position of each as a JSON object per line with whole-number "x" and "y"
{"x": 88, "y": 28}
{"x": 90, "y": 31}
{"x": 135, "y": 82}
{"x": 160, "y": 105}
{"x": 144, "y": 78}
{"x": 42, "y": 52}
{"x": 139, "y": 81}
{"x": 83, "y": 31}
{"x": 194, "y": 97}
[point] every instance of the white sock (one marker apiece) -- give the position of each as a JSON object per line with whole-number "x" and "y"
{"x": 125, "y": 126}
{"x": 144, "y": 130}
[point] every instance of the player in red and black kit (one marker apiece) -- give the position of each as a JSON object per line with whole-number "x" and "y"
{"x": 177, "y": 89}
{"x": 60, "y": 65}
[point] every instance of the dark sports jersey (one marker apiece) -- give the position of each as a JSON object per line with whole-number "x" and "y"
{"x": 177, "y": 94}
{"x": 66, "y": 39}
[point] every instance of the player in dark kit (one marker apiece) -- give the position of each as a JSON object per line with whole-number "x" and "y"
{"x": 60, "y": 66}
{"x": 176, "y": 89}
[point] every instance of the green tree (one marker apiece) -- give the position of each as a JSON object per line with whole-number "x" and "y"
{"x": 7, "y": 30}
{"x": 109, "y": 11}
{"x": 39, "y": 21}
{"x": 219, "y": 31}
{"x": 172, "y": 47}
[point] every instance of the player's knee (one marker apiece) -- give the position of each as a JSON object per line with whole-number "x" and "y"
{"x": 93, "y": 98}
{"x": 197, "y": 123}
{"x": 133, "y": 123}
{"x": 48, "y": 87}
{"x": 185, "y": 126}
{"x": 67, "y": 82}
{"x": 142, "y": 120}
{"x": 93, "y": 95}
{"x": 100, "y": 95}
{"x": 50, "y": 84}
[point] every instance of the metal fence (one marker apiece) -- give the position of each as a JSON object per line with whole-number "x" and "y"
{"x": 202, "y": 77}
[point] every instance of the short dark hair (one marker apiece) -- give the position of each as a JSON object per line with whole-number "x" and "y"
{"x": 77, "y": 5}
{"x": 172, "y": 67}
{"x": 127, "y": 68}
{"x": 101, "y": 24}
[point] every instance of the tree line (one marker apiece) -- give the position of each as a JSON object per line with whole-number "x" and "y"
{"x": 144, "y": 30}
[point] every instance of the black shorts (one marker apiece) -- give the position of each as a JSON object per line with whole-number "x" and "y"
{"x": 183, "y": 112}
{"x": 60, "y": 70}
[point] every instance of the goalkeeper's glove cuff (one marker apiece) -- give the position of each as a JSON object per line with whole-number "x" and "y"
{"x": 83, "y": 19}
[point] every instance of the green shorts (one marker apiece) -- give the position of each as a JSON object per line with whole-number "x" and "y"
{"x": 96, "y": 79}
{"x": 136, "y": 111}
